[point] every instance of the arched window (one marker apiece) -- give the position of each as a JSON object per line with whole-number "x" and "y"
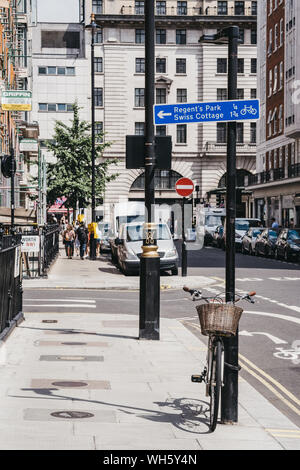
{"x": 164, "y": 179}
{"x": 240, "y": 175}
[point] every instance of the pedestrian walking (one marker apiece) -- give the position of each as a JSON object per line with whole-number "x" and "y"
{"x": 275, "y": 224}
{"x": 69, "y": 237}
{"x": 98, "y": 235}
{"x": 82, "y": 236}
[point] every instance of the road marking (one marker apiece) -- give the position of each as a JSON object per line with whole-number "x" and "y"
{"x": 289, "y": 433}
{"x": 271, "y": 337}
{"x": 275, "y": 315}
{"x": 271, "y": 388}
{"x": 62, "y": 300}
{"x": 271, "y": 379}
{"x": 61, "y": 305}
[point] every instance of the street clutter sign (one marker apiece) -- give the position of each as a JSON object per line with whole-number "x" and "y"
{"x": 14, "y": 100}
{"x": 217, "y": 111}
{"x": 184, "y": 187}
{"x": 30, "y": 243}
{"x": 29, "y": 145}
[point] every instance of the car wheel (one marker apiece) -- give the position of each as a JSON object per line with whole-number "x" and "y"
{"x": 243, "y": 250}
{"x": 276, "y": 256}
{"x": 250, "y": 250}
{"x": 256, "y": 252}
{"x": 174, "y": 271}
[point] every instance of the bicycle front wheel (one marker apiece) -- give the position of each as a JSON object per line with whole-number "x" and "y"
{"x": 215, "y": 383}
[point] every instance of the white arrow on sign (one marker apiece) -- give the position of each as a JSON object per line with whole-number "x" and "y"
{"x": 272, "y": 338}
{"x": 161, "y": 114}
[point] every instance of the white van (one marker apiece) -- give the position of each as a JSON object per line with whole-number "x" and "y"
{"x": 129, "y": 248}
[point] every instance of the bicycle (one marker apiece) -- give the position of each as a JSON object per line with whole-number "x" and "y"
{"x": 217, "y": 319}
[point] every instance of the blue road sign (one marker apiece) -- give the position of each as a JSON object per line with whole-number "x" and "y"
{"x": 218, "y": 111}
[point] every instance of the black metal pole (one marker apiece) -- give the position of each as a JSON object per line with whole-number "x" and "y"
{"x": 229, "y": 405}
{"x": 183, "y": 247}
{"x": 92, "y": 238}
{"x": 150, "y": 262}
{"x": 12, "y": 189}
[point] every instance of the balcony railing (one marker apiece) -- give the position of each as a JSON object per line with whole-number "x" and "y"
{"x": 294, "y": 170}
{"x": 194, "y": 11}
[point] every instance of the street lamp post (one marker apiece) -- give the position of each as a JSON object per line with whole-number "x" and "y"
{"x": 93, "y": 26}
{"x": 150, "y": 262}
{"x": 229, "y": 402}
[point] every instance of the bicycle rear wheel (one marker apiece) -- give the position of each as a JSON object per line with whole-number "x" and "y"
{"x": 215, "y": 383}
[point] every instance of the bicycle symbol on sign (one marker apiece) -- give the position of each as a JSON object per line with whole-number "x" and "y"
{"x": 248, "y": 109}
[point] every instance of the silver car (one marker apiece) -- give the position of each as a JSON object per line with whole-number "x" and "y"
{"x": 130, "y": 248}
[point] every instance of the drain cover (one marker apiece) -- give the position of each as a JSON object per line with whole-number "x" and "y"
{"x": 69, "y": 384}
{"x": 49, "y": 321}
{"x": 73, "y": 343}
{"x": 72, "y": 414}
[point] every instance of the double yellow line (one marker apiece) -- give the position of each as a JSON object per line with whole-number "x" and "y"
{"x": 271, "y": 384}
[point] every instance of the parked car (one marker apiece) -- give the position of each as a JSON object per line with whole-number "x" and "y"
{"x": 218, "y": 239}
{"x": 265, "y": 243}
{"x": 249, "y": 240}
{"x": 288, "y": 244}
{"x": 213, "y": 218}
{"x": 242, "y": 225}
{"x": 130, "y": 248}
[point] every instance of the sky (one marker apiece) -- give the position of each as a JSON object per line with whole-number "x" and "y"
{"x": 58, "y": 11}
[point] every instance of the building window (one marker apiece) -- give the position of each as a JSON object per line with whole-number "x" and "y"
{"x": 221, "y": 94}
{"x": 181, "y": 134}
{"x": 139, "y": 99}
{"x": 253, "y": 133}
{"x": 99, "y": 36}
{"x": 161, "y": 8}
{"x": 99, "y": 131}
{"x": 181, "y": 8}
{"x": 140, "y": 65}
{"x": 181, "y": 95}
{"x": 254, "y": 66}
{"x": 239, "y": 8}
{"x": 239, "y": 132}
{"x": 180, "y": 36}
{"x": 240, "y": 65}
{"x": 98, "y": 92}
{"x": 276, "y": 37}
{"x": 161, "y": 36}
{"x": 242, "y": 35}
{"x": 161, "y": 95}
{"x": 98, "y": 64}
{"x": 61, "y": 70}
{"x": 240, "y": 93}
{"x": 281, "y": 33}
{"x": 254, "y": 8}
{"x": 253, "y": 36}
{"x": 56, "y": 107}
{"x": 222, "y": 8}
{"x": 139, "y": 7}
{"x": 180, "y": 65}
{"x": 97, "y": 7}
{"x": 161, "y": 65}
{"x": 221, "y": 132}
{"x": 140, "y": 36}
{"x": 222, "y": 65}
{"x": 161, "y": 130}
{"x": 139, "y": 128}
{"x": 253, "y": 93}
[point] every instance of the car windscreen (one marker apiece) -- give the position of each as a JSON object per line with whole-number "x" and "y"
{"x": 273, "y": 234}
{"x": 294, "y": 235}
{"x": 242, "y": 225}
{"x": 213, "y": 220}
{"x": 135, "y": 233}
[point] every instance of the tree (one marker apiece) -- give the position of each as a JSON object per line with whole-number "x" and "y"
{"x": 71, "y": 174}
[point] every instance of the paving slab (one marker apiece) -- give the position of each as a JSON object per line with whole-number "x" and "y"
{"x": 139, "y": 397}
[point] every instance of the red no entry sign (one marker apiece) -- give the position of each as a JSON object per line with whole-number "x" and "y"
{"x": 184, "y": 187}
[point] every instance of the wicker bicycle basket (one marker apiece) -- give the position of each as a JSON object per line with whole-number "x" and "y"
{"x": 219, "y": 319}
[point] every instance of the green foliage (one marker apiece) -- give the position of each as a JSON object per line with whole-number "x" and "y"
{"x": 71, "y": 174}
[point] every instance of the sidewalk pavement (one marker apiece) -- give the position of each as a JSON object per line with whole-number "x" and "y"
{"x": 102, "y": 274}
{"x": 87, "y": 382}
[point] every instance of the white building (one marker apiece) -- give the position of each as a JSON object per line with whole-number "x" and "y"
{"x": 186, "y": 71}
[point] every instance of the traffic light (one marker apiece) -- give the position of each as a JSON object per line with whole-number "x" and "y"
{"x": 218, "y": 200}
{"x": 6, "y": 166}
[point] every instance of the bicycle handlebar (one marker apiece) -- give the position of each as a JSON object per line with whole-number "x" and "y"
{"x": 197, "y": 295}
